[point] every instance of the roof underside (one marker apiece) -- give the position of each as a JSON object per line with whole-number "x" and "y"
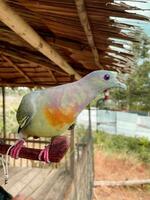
{"x": 59, "y": 24}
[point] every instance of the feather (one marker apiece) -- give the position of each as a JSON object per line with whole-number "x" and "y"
{"x": 23, "y": 123}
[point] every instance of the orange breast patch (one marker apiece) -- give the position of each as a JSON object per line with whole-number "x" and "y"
{"x": 59, "y": 118}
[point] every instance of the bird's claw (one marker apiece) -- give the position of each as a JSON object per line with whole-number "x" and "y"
{"x": 15, "y": 149}
{"x": 45, "y": 154}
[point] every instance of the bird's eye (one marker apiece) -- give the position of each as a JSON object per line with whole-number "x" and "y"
{"x": 106, "y": 77}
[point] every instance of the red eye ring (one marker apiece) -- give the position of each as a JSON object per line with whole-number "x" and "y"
{"x": 106, "y": 77}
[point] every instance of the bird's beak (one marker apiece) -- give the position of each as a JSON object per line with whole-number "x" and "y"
{"x": 121, "y": 85}
{"x": 119, "y": 82}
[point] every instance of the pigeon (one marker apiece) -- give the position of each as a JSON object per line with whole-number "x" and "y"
{"x": 52, "y": 111}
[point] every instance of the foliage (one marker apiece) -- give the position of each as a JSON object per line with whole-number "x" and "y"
{"x": 19, "y": 91}
{"x": 138, "y": 147}
{"x": 139, "y": 93}
{"x": 141, "y": 49}
{"x": 81, "y": 133}
{"x": 137, "y": 96}
{"x": 13, "y": 98}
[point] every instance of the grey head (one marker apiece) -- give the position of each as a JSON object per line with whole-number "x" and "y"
{"x": 104, "y": 79}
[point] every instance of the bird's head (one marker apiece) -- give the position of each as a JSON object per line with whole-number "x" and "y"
{"x": 105, "y": 79}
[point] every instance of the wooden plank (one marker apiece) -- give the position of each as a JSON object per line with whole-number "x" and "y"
{"x": 24, "y": 180}
{"x": 47, "y": 184}
{"x": 59, "y": 185}
{"x": 12, "y": 172}
{"x": 36, "y": 182}
{"x": 16, "y": 177}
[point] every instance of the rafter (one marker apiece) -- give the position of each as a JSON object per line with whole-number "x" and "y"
{"x": 17, "y": 68}
{"x": 41, "y": 84}
{"x": 30, "y": 58}
{"x": 9, "y": 17}
{"x": 87, "y": 29}
{"x": 52, "y": 75}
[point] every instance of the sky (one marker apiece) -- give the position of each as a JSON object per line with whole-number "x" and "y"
{"x": 144, "y": 25}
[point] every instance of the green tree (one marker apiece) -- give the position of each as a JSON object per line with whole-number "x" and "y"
{"x": 137, "y": 96}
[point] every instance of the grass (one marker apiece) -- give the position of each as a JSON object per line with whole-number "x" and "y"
{"x": 130, "y": 146}
{"x": 135, "y": 148}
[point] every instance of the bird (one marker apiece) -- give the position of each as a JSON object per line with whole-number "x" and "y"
{"x": 51, "y": 111}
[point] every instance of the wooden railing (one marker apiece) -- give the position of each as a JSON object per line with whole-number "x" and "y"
{"x": 81, "y": 168}
{"x": 82, "y": 181}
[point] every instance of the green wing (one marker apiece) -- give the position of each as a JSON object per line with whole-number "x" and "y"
{"x": 24, "y": 113}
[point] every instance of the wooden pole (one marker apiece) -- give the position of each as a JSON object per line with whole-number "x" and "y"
{"x": 25, "y": 31}
{"x": 80, "y": 4}
{"x": 72, "y": 154}
{"x": 91, "y": 155}
{"x": 58, "y": 147}
{"x": 4, "y": 113}
{"x": 90, "y": 123}
{"x": 121, "y": 183}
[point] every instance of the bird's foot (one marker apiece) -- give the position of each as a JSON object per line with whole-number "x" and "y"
{"x": 15, "y": 149}
{"x": 45, "y": 154}
{"x": 56, "y": 150}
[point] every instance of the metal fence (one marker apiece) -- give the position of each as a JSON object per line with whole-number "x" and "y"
{"x": 115, "y": 122}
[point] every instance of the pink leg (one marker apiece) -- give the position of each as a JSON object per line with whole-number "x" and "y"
{"x": 45, "y": 154}
{"x": 15, "y": 149}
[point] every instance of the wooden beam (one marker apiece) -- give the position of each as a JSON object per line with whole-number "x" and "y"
{"x": 31, "y": 85}
{"x": 87, "y": 29}
{"x": 30, "y": 58}
{"x": 17, "y": 68}
{"x": 24, "y": 30}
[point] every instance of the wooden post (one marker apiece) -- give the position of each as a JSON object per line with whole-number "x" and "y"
{"x": 90, "y": 123}
{"x": 97, "y": 120}
{"x": 72, "y": 154}
{"x": 91, "y": 155}
{"x": 4, "y": 113}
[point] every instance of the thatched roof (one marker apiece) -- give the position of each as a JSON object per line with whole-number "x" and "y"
{"x": 78, "y": 34}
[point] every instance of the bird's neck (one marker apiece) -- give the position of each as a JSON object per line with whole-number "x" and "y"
{"x": 90, "y": 85}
